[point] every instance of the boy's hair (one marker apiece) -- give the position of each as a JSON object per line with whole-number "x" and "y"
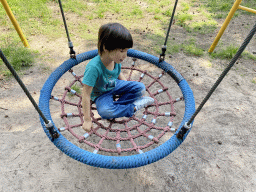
{"x": 113, "y": 36}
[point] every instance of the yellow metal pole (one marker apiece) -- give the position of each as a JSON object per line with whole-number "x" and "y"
{"x": 225, "y": 24}
{"x": 15, "y": 23}
{"x": 247, "y": 9}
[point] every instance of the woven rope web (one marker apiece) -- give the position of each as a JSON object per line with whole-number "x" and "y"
{"x": 116, "y": 136}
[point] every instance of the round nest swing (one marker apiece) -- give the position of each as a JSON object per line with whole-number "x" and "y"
{"x": 118, "y": 131}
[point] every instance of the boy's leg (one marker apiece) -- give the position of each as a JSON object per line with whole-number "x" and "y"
{"x": 107, "y": 108}
{"x": 130, "y": 91}
{"x": 133, "y": 92}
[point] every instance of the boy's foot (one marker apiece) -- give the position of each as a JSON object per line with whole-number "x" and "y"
{"x": 143, "y": 102}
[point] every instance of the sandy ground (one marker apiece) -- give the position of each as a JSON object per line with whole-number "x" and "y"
{"x": 218, "y": 154}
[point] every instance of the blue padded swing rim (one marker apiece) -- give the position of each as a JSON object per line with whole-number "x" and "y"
{"x": 116, "y": 162}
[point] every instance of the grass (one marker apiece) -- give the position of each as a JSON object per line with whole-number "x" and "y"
{"x": 76, "y": 88}
{"x": 191, "y": 48}
{"x": 229, "y": 52}
{"x": 75, "y": 6}
{"x": 204, "y": 27}
{"x": 38, "y": 16}
{"x": 34, "y": 17}
{"x": 19, "y": 57}
{"x": 182, "y": 18}
{"x": 146, "y": 19}
{"x": 225, "y": 53}
{"x": 221, "y": 8}
{"x": 248, "y": 55}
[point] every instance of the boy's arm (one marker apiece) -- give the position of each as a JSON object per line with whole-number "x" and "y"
{"x": 87, "y": 90}
{"x": 121, "y": 77}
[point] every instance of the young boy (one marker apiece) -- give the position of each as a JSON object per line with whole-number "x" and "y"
{"x": 103, "y": 78}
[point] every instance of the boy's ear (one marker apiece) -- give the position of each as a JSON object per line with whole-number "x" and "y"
{"x": 104, "y": 48}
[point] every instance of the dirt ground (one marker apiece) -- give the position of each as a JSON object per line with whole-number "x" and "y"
{"x": 218, "y": 155}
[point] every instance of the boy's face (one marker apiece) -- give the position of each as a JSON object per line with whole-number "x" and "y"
{"x": 118, "y": 55}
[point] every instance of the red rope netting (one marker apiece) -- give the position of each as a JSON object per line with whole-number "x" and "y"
{"x": 120, "y": 130}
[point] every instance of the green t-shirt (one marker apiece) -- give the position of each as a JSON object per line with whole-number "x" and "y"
{"x": 99, "y": 77}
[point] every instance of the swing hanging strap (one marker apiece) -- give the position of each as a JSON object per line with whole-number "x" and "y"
{"x": 185, "y": 128}
{"x": 70, "y": 44}
{"x": 164, "y": 47}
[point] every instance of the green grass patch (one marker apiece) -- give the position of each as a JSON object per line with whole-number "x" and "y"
{"x": 250, "y": 4}
{"x": 133, "y": 11}
{"x": 18, "y": 56}
{"x": 75, "y": 6}
{"x": 185, "y": 6}
{"x": 254, "y": 80}
{"x": 76, "y": 87}
{"x": 229, "y": 52}
{"x": 167, "y": 13}
{"x": 221, "y": 8}
{"x": 136, "y": 11}
{"x": 248, "y": 55}
{"x": 225, "y": 53}
{"x": 34, "y": 17}
{"x": 43, "y": 16}
{"x": 204, "y": 27}
{"x": 174, "y": 48}
{"x": 191, "y": 48}
{"x": 84, "y": 18}
{"x": 101, "y": 12}
{"x": 182, "y": 18}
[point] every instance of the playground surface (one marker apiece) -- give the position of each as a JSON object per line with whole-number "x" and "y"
{"x": 218, "y": 155}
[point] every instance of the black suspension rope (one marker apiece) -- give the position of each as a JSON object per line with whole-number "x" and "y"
{"x": 164, "y": 47}
{"x": 48, "y": 123}
{"x": 70, "y": 44}
{"x": 223, "y": 74}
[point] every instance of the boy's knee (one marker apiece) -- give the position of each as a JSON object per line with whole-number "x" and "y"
{"x": 142, "y": 88}
{"x": 104, "y": 112}
{"x": 143, "y": 91}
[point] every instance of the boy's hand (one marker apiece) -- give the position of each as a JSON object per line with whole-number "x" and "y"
{"x": 87, "y": 125}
